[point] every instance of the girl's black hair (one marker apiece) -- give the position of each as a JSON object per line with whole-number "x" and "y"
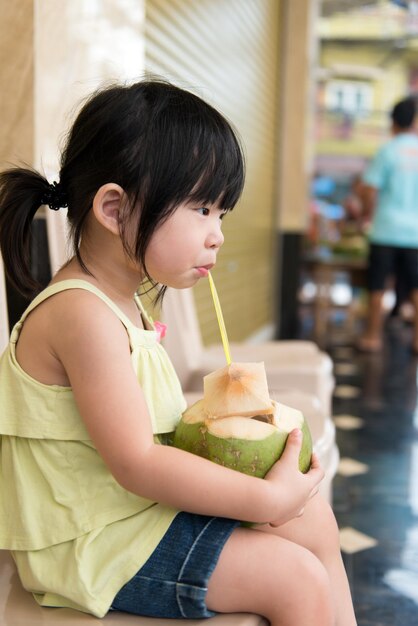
{"x": 163, "y": 145}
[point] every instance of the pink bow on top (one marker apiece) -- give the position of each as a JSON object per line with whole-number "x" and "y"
{"x": 160, "y": 329}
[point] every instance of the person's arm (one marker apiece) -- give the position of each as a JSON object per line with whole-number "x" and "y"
{"x": 368, "y": 197}
{"x": 93, "y": 347}
{"x": 374, "y": 178}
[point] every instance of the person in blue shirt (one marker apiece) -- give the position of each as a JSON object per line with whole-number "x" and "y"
{"x": 390, "y": 199}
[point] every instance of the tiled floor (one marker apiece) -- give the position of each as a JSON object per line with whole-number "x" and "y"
{"x": 376, "y": 489}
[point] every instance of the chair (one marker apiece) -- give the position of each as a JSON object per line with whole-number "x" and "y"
{"x": 4, "y": 318}
{"x": 18, "y": 608}
{"x": 289, "y": 364}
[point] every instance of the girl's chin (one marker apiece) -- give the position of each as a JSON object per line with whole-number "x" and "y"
{"x": 182, "y": 282}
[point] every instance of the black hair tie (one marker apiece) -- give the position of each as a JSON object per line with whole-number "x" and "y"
{"x": 55, "y": 196}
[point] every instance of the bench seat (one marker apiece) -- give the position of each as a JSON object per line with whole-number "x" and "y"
{"x": 18, "y": 608}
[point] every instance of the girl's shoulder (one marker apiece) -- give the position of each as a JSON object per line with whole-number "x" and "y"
{"x": 78, "y": 309}
{"x": 75, "y": 296}
{"x": 64, "y": 319}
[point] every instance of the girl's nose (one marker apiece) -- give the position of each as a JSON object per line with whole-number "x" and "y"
{"x": 215, "y": 238}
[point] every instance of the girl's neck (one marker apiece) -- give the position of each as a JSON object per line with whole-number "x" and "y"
{"x": 117, "y": 286}
{"x": 118, "y": 278}
{"x": 110, "y": 269}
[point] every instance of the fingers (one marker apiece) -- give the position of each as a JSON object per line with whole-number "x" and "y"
{"x": 298, "y": 514}
{"x": 315, "y": 461}
{"x": 293, "y": 446}
{"x": 275, "y": 525}
{"x": 316, "y": 471}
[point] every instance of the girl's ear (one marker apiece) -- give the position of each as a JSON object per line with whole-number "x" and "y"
{"x": 107, "y": 206}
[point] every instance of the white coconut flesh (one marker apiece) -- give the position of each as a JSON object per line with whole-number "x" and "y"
{"x": 283, "y": 417}
{"x": 287, "y": 418}
{"x": 239, "y": 427}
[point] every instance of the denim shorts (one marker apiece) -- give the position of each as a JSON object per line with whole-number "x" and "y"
{"x": 174, "y": 581}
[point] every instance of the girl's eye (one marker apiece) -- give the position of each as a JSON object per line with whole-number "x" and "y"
{"x": 223, "y": 214}
{"x": 203, "y": 210}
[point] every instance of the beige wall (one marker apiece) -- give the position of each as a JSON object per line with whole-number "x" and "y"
{"x": 229, "y": 53}
{"x": 79, "y": 46}
{"x": 16, "y": 82}
{"x": 52, "y": 54}
{"x": 299, "y": 59}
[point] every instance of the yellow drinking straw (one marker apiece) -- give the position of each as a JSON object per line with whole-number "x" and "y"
{"x": 220, "y": 317}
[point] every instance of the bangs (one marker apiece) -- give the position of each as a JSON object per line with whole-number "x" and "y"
{"x": 195, "y": 155}
{"x": 217, "y": 174}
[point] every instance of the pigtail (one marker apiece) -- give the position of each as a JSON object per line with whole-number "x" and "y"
{"x": 21, "y": 195}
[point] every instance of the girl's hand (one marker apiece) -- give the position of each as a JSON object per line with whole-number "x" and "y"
{"x": 293, "y": 488}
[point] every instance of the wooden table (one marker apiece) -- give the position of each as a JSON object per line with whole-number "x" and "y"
{"x": 322, "y": 264}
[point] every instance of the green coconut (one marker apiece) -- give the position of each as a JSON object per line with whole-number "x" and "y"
{"x": 252, "y": 446}
{"x": 247, "y": 444}
{"x": 243, "y": 444}
{"x": 190, "y": 434}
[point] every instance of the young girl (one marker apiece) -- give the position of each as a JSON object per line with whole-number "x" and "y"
{"x": 99, "y": 514}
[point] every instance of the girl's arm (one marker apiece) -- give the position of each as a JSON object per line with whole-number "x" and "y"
{"x": 93, "y": 347}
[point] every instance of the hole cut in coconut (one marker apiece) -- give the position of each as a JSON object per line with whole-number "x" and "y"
{"x": 267, "y": 419}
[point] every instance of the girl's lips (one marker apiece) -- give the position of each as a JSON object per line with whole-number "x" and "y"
{"x": 203, "y": 271}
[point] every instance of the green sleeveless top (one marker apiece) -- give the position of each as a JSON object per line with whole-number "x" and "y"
{"x": 58, "y": 501}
